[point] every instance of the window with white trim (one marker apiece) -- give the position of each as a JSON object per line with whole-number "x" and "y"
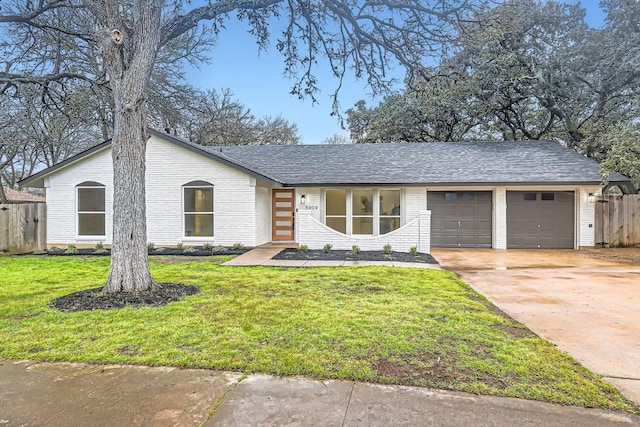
{"x": 389, "y": 210}
{"x": 362, "y": 211}
{"x": 198, "y": 212}
{"x": 336, "y": 210}
{"x": 90, "y": 207}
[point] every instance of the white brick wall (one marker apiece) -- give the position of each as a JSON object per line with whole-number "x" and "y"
{"x": 61, "y": 199}
{"x": 315, "y": 235}
{"x": 500, "y": 218}
{"x": 586, "y": 216}
{"x": 169, "y": 167}
{"x": 263, "y": 215}
{"x": 415, "y": 200}
{"x": 313, "y": 202}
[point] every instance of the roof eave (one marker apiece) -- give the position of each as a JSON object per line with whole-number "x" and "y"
{"x": 442, "y": 184}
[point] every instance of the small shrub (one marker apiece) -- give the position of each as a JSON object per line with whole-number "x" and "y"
{"x": 327, "y": 248}
{"x": 55, "y": 249}
{"x": 189, "y": 249}
{"x": 303, "y": 248}
{"x": 150, "y": 246}
{"x": 206, "y": 246}
{"x": 179, "y": 245}
{"x": 355, "y": 249}
{"x": 413, "y": 250}
{"x": 219, "y": 248}
{"x": 160, "y": 249}
{"x": 71, "y": 249}
{"x": 387, "y": 249}
{"x": 238, "y": 246}
{"x": 99, "y": 249}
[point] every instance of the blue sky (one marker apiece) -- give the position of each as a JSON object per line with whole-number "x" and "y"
{"x": 257, "y": 80}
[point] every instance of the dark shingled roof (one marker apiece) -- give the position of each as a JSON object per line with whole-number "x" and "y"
{"x": 520, "y": 162}
{"x": 425, "y": 163}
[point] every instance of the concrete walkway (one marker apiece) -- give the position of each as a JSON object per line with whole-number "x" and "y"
{"x": 256, "y": 256}
{"x": 64, "y": 394}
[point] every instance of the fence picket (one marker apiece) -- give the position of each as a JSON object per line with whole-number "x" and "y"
{"x": 22, "y": 227}
{"x": 618, "y": 220}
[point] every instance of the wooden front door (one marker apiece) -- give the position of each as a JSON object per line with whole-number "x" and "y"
{"x": 282, "y": 214}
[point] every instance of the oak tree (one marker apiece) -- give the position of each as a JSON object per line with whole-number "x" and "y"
{"x": 130, "y": 35}
{"x": 521, "y": 70}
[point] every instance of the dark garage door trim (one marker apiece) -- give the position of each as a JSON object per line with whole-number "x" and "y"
{"x": 540, "y": 219}
{"x": 461, "y": 219}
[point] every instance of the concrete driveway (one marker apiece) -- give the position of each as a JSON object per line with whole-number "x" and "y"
{"x": 586, "y": 302}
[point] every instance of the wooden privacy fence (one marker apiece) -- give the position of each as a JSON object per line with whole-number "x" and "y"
{"x": 23, "y": 227}
{"x": 618, "y": 220}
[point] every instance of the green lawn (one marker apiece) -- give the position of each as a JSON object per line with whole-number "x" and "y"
{"x": 380, "y": 324}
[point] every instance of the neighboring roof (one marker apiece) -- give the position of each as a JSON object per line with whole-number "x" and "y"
{"x": 16, "y": 196}
{"x": 426, "y": 163}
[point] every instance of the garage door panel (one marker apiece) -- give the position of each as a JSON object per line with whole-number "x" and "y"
{"x": 483, "y": 212}
{"x": 483, "y": 225}
{"x": 540, "y": 219}
{"x": 468, "y": 212}
{"x": 475, "y": 240}
{"x": 450, "y": 241}
{"x": 458, "y": 211}
{"x": 450, "y": 225}
{"x": 467, "y": 226}
{"x": 461, "y": 219}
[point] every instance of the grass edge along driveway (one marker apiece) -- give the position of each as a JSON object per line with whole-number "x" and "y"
{"x": 379, "y": 324}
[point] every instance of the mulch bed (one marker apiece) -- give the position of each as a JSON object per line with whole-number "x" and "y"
{"x": 191, "y": 251}
{"x": 339, "y": 255}
{"x": 95, "y": 299}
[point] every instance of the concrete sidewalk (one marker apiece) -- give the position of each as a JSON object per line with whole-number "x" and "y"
{"x": 65, "y": 394}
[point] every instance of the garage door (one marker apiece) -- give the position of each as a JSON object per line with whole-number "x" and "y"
{"x": 460, "y": 219}
{"x": 540, "y": 219}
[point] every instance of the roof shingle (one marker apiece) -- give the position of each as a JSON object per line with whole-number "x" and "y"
{"x": 519, "y": 162}
{"x": 425, "y": 163}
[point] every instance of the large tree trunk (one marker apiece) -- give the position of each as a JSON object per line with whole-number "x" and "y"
{"x": 129, "y": 257}
{"x": 129, "y": 55}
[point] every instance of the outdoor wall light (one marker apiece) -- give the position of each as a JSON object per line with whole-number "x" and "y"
{"x": 303, "y": 199}
{"x": 591, "y": 198}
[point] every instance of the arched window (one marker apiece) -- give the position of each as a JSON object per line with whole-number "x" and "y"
{"x": 90, "y": 198}
{"x": 198, "y": 209}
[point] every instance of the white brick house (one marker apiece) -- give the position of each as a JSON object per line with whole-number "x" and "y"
{"x": 499, "y": 195}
